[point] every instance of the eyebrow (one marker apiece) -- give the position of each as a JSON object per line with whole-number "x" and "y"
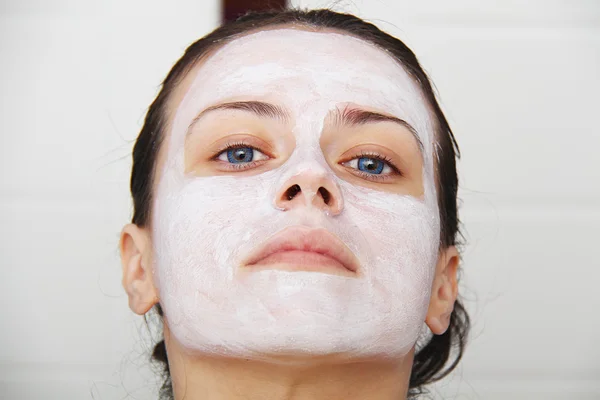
{"x": 354, "y": 116}
{"x": 259, "y": 108}
{"x": 347, "y": 116}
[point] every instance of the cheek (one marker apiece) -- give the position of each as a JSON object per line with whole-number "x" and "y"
{"x": 206, "y": 213}
{"x": 400, "y": 231}
{"x": 196, "y": 230}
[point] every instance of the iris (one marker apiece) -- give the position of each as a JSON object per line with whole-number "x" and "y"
{"x": 240, "y": 155}
{"x": 370, "y": 165}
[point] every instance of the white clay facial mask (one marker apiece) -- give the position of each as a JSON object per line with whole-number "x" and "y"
{"x": 210, "y": 216}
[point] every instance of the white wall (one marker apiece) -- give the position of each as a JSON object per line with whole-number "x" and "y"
{"x": 519, "y": 82}
{"x": 76, "y": 79}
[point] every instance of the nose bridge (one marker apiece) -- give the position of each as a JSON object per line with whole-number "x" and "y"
{"x": 308, "y": 181}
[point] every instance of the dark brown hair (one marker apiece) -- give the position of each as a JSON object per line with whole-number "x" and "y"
{"x": 441, "y": 353}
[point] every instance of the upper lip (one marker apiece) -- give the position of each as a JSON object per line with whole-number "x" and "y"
{"x": 306, "y": 239}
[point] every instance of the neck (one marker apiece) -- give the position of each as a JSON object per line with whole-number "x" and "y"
{"x": 220, "y": 378}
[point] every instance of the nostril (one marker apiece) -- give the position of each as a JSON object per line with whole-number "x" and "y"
{"x": 325, "y": 194}
{"x": 292, "y": 192}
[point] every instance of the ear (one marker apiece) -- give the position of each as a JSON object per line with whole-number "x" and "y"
{"x": 444, "y": 291}
{"x": 136, "y": 259}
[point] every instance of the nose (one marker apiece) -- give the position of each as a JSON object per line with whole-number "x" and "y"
{"x": 310, "y": 189}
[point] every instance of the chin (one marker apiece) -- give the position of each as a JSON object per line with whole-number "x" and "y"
{"x": 299, "y": 346}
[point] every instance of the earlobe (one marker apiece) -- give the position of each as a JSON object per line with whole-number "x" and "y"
{"x": 137, "y": 270}
{"x": 444, "y": 291}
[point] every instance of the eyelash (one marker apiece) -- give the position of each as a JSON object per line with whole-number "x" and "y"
{"x": 366, "y": 154}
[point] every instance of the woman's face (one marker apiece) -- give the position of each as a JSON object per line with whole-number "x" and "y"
{"x": 318, "y": 143}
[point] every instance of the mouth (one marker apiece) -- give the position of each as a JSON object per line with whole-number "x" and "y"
{"x": 304, "y": 249}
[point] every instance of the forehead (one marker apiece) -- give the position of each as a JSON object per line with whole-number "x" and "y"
{"x": 299, "y": 65}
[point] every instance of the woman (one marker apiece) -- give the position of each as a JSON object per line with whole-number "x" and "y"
{"x": 295, "y": 217}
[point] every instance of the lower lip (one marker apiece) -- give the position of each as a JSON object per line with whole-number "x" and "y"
{"x": 297, "y": 260}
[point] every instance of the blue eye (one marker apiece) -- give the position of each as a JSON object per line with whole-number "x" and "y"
{"x": 370, "y": 165}
{"x": 241, "y": 155}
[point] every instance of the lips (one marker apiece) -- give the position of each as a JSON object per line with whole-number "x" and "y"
{"x": 303, "y": 248}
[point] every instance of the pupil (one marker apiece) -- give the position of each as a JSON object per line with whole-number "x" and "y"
{"x": 240, "y": 154}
